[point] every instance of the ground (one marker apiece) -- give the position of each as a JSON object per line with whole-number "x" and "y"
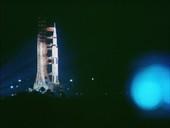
{"x": 29, "y": 110}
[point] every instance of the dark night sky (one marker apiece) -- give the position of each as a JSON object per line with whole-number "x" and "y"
{"x": 99, "y": 39}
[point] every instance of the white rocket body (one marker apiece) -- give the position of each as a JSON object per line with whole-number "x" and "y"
{"x": 55, "y": 59}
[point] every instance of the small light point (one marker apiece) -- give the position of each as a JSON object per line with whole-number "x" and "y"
{"x": 71, "y": 80}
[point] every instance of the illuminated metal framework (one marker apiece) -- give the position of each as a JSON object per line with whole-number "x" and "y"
{"x": 47, "y": 58}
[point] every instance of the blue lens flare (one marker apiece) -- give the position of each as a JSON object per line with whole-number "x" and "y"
{"x": 151, "y": 86}
{"x": 167, "y": 95}
{"x": 166, "y": 88}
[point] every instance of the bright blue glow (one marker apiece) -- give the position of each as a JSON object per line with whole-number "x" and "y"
{"x": 151, "y": 86}
{"x": 167, "y": 94}
{"x": 166, "y": 87}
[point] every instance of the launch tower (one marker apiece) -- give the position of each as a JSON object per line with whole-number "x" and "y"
{"x": 47, "y": 58}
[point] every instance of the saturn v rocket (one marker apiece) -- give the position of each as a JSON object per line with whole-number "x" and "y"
{"x": 54, "y": 58}
{"x": 47, "y": 79}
